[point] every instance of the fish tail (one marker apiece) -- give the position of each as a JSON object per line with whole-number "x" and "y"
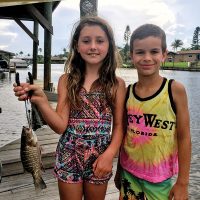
{"x": 39, "y": 184}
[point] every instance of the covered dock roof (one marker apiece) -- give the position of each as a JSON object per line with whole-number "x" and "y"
{"x": 40, "y": 12}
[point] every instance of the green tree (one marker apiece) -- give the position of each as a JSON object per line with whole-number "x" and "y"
{"x": 176, "y": 44}
{"x": 127, "y": 35}
{"x": 21, "y": 53}
{"x": 64, "y": 52}
{"x": 196, "y": 38}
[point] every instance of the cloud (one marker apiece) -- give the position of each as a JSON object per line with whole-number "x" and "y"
{"x": 178, "y": 18}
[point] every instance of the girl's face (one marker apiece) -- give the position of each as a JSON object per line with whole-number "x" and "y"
{"x": 93, "y": 45}
{"x": 147, "y": 55}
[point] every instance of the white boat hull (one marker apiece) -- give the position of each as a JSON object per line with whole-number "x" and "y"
{"x": 18, "y": 63}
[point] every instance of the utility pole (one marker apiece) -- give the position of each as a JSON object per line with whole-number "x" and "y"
{"x": 88, "y": 8}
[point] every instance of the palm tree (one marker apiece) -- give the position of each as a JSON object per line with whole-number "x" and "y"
{"x": 40, "y": 50}
{"x": 88, "y": 7}
{"x": 176, "y": 44}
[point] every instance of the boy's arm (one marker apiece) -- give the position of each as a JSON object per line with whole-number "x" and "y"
{"x": 180, "y": 189}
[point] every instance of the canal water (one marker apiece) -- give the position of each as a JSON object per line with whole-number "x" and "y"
{"x": 13, "y": 115}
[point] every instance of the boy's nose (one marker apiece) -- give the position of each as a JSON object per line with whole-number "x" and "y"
{"x": 147, "y": 56}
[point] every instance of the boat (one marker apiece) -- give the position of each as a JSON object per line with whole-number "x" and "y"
{"x": 18, "y": 63}
{"x": 3, "y": 64}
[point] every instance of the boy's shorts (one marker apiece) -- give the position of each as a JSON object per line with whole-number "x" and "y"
{"x": 136, "y": 188}
{"x": 75, "y": 156}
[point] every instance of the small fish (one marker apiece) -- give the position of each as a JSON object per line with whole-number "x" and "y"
{"x": 31, "y": 156}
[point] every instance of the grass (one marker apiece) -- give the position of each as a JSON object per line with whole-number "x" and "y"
{"x": 176, "y": 64}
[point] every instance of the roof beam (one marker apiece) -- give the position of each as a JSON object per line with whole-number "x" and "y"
{"x": 35, "y": 39}
{"x": 40, "y": 18}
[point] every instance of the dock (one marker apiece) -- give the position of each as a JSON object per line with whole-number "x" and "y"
{"x": 18, "y": 185}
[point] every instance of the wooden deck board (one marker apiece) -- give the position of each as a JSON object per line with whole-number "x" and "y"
{"x": 18, "y": 185}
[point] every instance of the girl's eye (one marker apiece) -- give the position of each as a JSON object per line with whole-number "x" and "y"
{"x": 85, "y": 41}
{"x": 139, "y": 52}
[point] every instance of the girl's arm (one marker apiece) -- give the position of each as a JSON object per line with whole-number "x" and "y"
{"x": 103, "y": 165}
{"x": 58, "y": 119}
{"x": 180, "y": 189}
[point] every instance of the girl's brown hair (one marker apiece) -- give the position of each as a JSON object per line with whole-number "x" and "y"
{"x": 75, "y": 65}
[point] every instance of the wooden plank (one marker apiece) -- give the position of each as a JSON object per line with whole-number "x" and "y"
{"x": 41, "y": 142}
{"x": 20, "y": 187}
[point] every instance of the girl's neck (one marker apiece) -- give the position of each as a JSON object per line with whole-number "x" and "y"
{"x": 91, "y": 75}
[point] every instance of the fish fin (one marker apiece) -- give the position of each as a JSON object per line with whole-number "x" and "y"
{"x": 1, "y": 169}
{"x": 40, "y": 153}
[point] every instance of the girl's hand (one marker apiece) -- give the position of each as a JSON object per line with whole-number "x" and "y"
{"x": 103, "y": 165}
{"x": 21, "y": 92}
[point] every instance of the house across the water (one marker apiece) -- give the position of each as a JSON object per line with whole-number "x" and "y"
{"x": 183, "y": 56}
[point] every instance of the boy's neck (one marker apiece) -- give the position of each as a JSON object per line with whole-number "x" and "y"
{"x": 149, "y": 82}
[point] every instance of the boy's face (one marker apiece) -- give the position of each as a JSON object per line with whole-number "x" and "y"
{"x": 147, "y": 55}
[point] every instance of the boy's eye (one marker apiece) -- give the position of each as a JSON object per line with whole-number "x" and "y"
{"x": 154, "y": 52}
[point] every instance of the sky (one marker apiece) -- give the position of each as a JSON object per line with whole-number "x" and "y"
{"x": 178, "y": 18}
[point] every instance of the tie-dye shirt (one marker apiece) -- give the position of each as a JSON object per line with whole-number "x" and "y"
{"x": 150, "y": 150}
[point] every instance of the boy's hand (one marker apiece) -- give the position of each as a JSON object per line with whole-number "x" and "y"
{"x": 179, "y": 192}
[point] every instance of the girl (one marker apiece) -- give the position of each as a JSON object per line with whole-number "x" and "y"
{"x": 90, "y": 100}
{"x": 157, "y": 143}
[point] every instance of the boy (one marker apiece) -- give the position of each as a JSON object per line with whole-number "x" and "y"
{"x": 157, "y": 144}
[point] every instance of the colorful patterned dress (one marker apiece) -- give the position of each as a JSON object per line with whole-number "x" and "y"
{"x": 88, "y": 134}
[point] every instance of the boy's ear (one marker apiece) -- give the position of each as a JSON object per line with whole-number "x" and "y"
{"x": 164, "y": 55}
{"x": 131, "y": 55}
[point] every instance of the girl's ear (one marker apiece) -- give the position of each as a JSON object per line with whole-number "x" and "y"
{"x": 76, "y": 47}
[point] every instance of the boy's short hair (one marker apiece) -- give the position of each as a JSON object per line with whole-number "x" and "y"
{"x": 147, "y": 30}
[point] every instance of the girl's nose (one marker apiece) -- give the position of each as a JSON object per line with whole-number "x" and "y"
{"x": 93, "y": 45}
